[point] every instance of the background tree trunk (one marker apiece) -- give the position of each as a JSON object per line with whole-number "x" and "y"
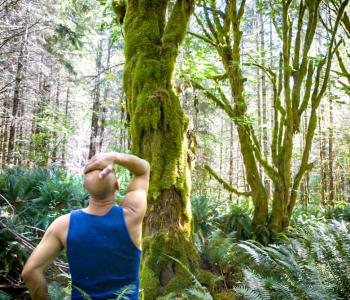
{"x": 96, "y": 106}
{"x": 16, "y": 96}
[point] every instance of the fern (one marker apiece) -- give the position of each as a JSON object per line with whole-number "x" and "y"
{"x": 125, "y": 291}
{"x": 4, "y": 296}
{"x": 248, "y": 293}
{"x": 313, "y": 264}
{"x": 197, "y": 290}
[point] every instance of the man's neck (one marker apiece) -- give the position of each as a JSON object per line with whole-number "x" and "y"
{"x": 99, "y": 207}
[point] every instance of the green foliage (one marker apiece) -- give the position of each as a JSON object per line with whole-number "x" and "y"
{"x": 50, "y": 127}
{"x": 340, "y": 211}
{"x": 206, "y": 214}
{"x": 74, "y": 22}
{"x": 57, "y": 292}
{"x": 4, "y": 296}
{"x": 219, "y": 249}
{"x": 30, "y": 199}
{"x": 314, "y": 263}
{"x": 238, "y": 219}
{"x": 196, "y": 292}
{"x": 12, "y": 254}
{"x": 40, "y": 195}
{"x": 122, "y": 294}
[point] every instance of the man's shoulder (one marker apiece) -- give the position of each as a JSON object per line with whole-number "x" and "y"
{"x": 59, "y": 228}
{"x": 61, "y": 223}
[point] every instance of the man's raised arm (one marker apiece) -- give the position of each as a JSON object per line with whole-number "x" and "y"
{"x": 136, "y": 198}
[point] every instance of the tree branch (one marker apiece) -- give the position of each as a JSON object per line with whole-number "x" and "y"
{"x": 225, "y": 184}
{"x": 225, "y": 106}
{"x": 202, "y": 37}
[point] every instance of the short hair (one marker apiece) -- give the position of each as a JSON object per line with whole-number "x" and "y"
{"x": 99, "y": 188}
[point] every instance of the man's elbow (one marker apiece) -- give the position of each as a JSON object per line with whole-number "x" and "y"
{"x": 28, "y": 274}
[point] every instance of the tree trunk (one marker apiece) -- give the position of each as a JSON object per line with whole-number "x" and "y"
{"x": 105, "y": 98}
{"x": 330, "y": 150}
{"x": 322, "y": 159}
{"x": 232, "y": 65}
{"x": 16, "y": 96}
{"x": 221, "y": 153}
{"x": 56, "y": 119}
{"x": 5, "y": 126}
{"x": 158, "y": 128}
{"x": 264, "y": 98}
{"x": 230, "y": 173}
{"x": 64, "y": 143}
{"x": 96, "y": 103}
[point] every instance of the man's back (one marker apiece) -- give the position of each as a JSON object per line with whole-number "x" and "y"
{"x": 102, "y": 256}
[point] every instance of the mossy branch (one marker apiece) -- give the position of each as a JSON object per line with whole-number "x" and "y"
{"x": 203, "y": 38}
{"x": 345, "y": 73}
{"x": 176, "y": 27}
{"x": 308, "y": 86}
{"x": 210, "y": 24}
{"x": 206, "y": 33}
{"x": 271, "y": 172}
{"x": 331, "y": 51}
{"x": 225, "y": 184}
{"x": 217, "y": 21}
{"x": 224, "y": 104}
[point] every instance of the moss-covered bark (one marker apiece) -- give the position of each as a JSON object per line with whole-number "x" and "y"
{"x": 158, "y": 128}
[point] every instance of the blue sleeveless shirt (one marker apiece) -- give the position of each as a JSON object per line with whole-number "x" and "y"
{"x": 102, "y": 257}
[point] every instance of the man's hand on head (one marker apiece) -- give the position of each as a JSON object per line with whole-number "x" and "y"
{"x": 104, "y": 162}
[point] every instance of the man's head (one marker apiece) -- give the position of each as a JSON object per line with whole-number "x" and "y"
{"x": 100, "y": 188}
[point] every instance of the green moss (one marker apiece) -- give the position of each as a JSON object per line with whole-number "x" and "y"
{"x": 207, "y": 279}
{"x": 225, "y": 296}
{"x": 158, "y": 127}
{"x": 149, "y": 283}
{"x": 119, "y": 8}
{"x": 156, "y": 259}
{"x": 178, "y": 283}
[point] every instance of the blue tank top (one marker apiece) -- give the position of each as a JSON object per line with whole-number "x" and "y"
{"x": 103, "y": 260}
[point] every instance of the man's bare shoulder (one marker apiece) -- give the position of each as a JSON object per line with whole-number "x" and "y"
{"x": 60, "y": 224}
{"x": 59, "y": 228}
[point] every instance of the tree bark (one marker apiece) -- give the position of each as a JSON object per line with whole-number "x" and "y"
{"x": 331, "y": 195}
{"x": 158, "y": 129}
{"x": 322, "y": 159}
{"x": 96, "y": 103}
{"x": 16, "y": 95}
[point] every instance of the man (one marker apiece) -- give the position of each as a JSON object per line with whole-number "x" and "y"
{"x": 103, "y": 240}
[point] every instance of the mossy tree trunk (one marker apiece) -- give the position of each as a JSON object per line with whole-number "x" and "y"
{"x": 158, "y": 127}
{"x": 300, "y": 83}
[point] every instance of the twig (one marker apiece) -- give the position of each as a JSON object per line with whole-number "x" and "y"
{"x": 8, "y": 202}
{"x": 58, "y": 263}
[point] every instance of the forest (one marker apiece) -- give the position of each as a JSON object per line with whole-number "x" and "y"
{"x": 241, "y": 108}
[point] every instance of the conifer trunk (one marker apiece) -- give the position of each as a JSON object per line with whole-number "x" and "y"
{"x": 96, "y": 106}
{"x": 16, "y": 96}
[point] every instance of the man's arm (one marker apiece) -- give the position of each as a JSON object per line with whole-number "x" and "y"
{"x": 43, "y": 255}
{"x": 136, "y": 198}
